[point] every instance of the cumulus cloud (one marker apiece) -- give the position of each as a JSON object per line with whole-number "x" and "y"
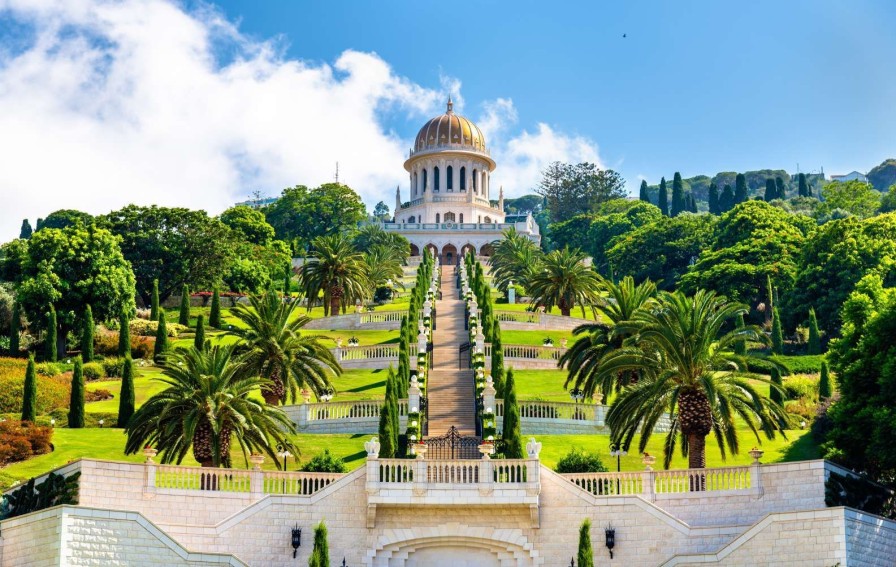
{"x": 108, "y": 103}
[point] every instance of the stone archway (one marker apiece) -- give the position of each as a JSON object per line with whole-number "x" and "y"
{"x": 433, "y": 249}
{"x": 454, "y": 545}
{"x": 415, "y": 251}
{"x": 467, "y": 248}
{"x": 449, "y": 255}
{"x": 486, "y": 250}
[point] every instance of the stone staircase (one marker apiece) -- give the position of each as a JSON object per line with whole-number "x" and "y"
{"x": 449, "y": 389}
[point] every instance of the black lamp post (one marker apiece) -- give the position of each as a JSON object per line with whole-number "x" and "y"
{"x": 616, "y": 451}
{"x": 610, "y": 535}
{"x": 296, "y": 540}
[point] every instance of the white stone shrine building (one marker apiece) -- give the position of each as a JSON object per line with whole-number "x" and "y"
{"x": 452, "y": 207}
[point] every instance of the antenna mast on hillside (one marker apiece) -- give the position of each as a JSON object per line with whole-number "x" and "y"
{"x": 337, "y": 172}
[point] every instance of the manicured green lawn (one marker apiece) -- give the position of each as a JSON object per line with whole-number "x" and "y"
{"x": 546, "y": 385}
{"x": 535, "y": 337}
{"x": 145, "y": 386}
{"x": 361, "y": 385}
{"x": 522, "y": 307}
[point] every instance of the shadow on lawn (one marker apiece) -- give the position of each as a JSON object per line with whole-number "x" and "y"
{"x": 803, "y": 449}
{"x": 366, "y": 387}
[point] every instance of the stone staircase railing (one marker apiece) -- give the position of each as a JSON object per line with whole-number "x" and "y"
{"x": 169, "y": 477}
{"x": 650, "y": 483}
{"x": 372, "y": 356}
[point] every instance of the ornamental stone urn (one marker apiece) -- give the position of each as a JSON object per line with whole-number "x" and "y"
{"x": 149, "y": 453}
{"x": 419, "y": 449}
{"x": 648, "y": 461}
{"x": 256, "y": 461}
{"x": 756, "y": 454}
{"x": 487, "y": 450}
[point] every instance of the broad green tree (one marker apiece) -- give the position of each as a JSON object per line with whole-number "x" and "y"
{"x": 76, "y": 401}
{"x": 686, "y": 365}
{"x": 854, "y": 197}
{"x": 285, "y": 358}
{"x": 888, "y": 200}
{"x": 65, "y": 218}
{"x": 563, "y": 280}
{"x": 575, "y": 189}
{"x": 249, "y": 223}
{"x": 302, "y": 214}
{"x": 208, "y": 403}
{"x": 337, "y": 271}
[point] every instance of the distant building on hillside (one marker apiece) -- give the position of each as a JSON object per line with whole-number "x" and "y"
{"x": 852, "y": 176}
{"x": 258, "y": 203}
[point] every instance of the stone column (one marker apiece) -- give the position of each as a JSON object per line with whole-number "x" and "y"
{"x": 414, "y": 395}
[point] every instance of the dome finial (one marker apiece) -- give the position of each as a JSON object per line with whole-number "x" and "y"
{"x": 450, "y": 104}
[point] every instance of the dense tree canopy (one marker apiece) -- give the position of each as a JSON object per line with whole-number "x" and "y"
{"x": 302, "y": 214}
{"x": 574, "y": 189}
{"x": 856, "y": 198}
{"x": 64, "y": 218}
{"x": 249, "y": 223}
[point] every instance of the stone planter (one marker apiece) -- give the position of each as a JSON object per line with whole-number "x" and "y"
{"x": 419, "y": 449}
{"x": 256, "y": 460}
{"x": 487, "y": 450}
{"x": 756, "y": 454}
{"x": 149, "y": 453}
{"x": 648, "y": 461}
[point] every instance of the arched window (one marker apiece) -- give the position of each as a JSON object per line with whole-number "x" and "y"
{"x": 488, "y": 220}
{"x": 463, "y": 179}
{"x": 449, "y": 183}
{"x": 437, "y": 218}
{"x": 424, "y": 181}
{"x": 482, "y": 184}
{"x": 475, "y": 183}
{"x": 416, "y": 186}
{"x": 461, "y": 217}
{"x": 480, "y": 218}
{"x": 449, "y": 217}
{"x": 435, "y": 179}
{"x": 412, "y": 219}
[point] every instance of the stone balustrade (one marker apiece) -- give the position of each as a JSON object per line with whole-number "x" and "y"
{"x": 539, "y": 417}
{"x": 169, "y": 477}
{"x": 371, "y": 321}
{"x": 372, "y": 356}
{"x": 358, "y": 416}
{"x": 537, "y": 321}
{"x": 527, "y": 357}
{"x": 650, "y": 483}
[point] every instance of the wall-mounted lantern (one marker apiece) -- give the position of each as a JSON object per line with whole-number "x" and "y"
{"x": 610, "y": 534}
{"x": 296, "y": 540}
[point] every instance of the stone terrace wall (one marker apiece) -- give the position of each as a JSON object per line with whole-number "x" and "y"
{"x": 32, "y": 540}
{"x": 869, "y": 540}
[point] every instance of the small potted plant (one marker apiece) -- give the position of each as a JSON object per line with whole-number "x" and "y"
{"x": 353, "y": 341}
{"x": 548, "y": 341}
{"x": 648, "y": 461}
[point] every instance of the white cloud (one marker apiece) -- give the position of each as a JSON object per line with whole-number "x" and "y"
{"x": 109, "y": 103}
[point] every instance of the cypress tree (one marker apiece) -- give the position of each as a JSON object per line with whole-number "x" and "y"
{"x": 663, "y": 202}
{"x": 740, "y": 347}
{"x": 511, "y": 435}
{"x": 678, "y": 202}
{"x": 777, "y": 334}
{"x": 161, "y": 336}
{"x": 25, "y": 231}
{"x": 693, "y": 208}
{"x": 76, "y": 402}
{"x": 386, "y": 433}
{"x": 498, "y": 362}
{"x": 643, "y": 193}
{"x": 14, "y": 327}
{"x": 124, "y": 334}
{"x": 87, "y": 331}
{"x": 775, "y": 394}
{"x": 29, "y": 395}
{"x": 287, "y": 284}
{"x": 714, "y": 199}
{"x": 199, "y": 340}
{"x": 392, "y": 398}
{"x": 771, "y": 191}
{"x": 780, "y": 192}
{"x": 154, "y": 301}
{"x": 320, "y": 555}
{"x": 770, "y": 292}
{"x": 814, "y": 335}
{"x": 803, "y": 187}
{"x": 726, "y": 201}
{"x": 214, "y": 316}
{"x": 585, "y": 555}
{"x": 127, "y": 397}
{"x": 184, "y": 316}
{"x": 51, "y": 334}
{"x": 39, "y": 224}
{"x": 740, "y": 188}
{"x": 824, "y": 383}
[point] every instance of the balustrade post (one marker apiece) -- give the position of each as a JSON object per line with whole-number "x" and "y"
{"x": 302, "y": 417}
{"x": 420, "y": 480}
{"x": 256, "y": 484}
{"x": 648, "y": 485}
{"x": 149, "y": 478}
{"x": 756, "y": 477}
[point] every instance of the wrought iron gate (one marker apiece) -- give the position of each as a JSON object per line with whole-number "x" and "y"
{"x": 464, "y": 360}
{"x": 452, "y": 445}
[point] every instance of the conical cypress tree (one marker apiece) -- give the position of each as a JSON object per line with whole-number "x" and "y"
{"x": 124, "y": 334}
{"x": 161, "y": 336}
{"x": 678, "y": 202}
{"x": 643, "y": 193}
{"x": 386, "y": 432}
{"x": 814, "y": 335}
{"x": 25, "y": 231}
{"x": 127, "y": 397}
{"x": 780, "y": 192}
{"x": 214, "y": 315}
{"x": 154, "y": 301}
{"x": 770, "y": 191}
{"x": 29, "y": 395}
{"x": 740, "y": 347}
{"x": 498, "y": 362}
{"x": 714, "y": 199}
{"x": 511, "y": 435}
{"x": 777, "y": 333}
{"x": 776, "y": 394}
{"x": 770, "y": 293}
{"x": 320, "y": 555}
{"x": 726, "y": 201}
{"x": 184, "y": 315}
{"x": 199, "y": 340}
{"x": 693, "y": 205}
{"x": 663, "y": 200}
{"x": 14, "y": 328}
{"x": 87, "y": 331}
{"x": 824, "y": 383}
{"x": 803, "y": 187}
{"x": 740, "y": 188}
{"x": 585, "y": 555}
{"x": 76, "y": 402}
{"x": 51, "y": 334}
{"x": 392, "y": 387}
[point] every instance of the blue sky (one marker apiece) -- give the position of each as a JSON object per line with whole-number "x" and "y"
{"x": 191, "y": 104}
{"x": 695, "y": 86}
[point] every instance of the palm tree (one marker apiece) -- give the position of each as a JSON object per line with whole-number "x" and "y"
{"x": 208, "y": 403}
{"x": 683, "y": 350}
{"x": 336, "y": 269}
{"x": 619, "y": 302}
{"x": 279, "y": 352}
{"x": 563, "y": 279}
{"x": 372, "y": 234}
{"x": 512, "y": 258}
{"x": 382, "y": 264}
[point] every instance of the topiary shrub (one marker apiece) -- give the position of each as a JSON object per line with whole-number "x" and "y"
{"x": 93, "y": 371}
{"x": 48, "y": 369}
{"x": 55, "y": 490}
{"x": 112, "y": 367}
{"x": 325, "y": 462}
{"x": 98, "y": 395}
{"x": 579, "y": 461}
{"x": 800, "y": 387}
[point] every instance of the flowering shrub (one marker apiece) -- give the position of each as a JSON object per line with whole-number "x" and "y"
{"x": 143, "y": 328}
{"x": 141, "y": 347}
{"x": 20, "y": 441}
{"x": 52, "y": 392}
{"x": 93, "y": 371}
{"x": 97, "y": 395}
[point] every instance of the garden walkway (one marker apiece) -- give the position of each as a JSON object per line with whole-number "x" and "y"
{"x": 450, "y": 390}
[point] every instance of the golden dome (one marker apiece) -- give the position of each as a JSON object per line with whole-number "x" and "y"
{"x": 449, "y": 130}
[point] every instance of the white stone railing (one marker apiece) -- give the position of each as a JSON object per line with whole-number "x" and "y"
{"x": 168, "y": 477}
{"x": 324, "y": 411}
{"x": 530, "y": 320}
{"x": 517, "y": 316}
{"x": 382, "y": 316}
{"x": 530, "y": 409}
{"x": 528, "y": 352}
{"x": 457, "y": 472}
{"x": 371, "y": 353}
{"x": 650, "y": 483}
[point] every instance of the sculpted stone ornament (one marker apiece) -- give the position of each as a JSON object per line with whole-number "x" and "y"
{"x": 533, "y": 448}
{"x": 373, "y": 448}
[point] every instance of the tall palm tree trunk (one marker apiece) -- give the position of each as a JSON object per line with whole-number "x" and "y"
{"x": 336, "y": 292}
{"x": 275, "y": 391}
{"x": 695, "y": 416}
{"x": 202, "y": 444}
